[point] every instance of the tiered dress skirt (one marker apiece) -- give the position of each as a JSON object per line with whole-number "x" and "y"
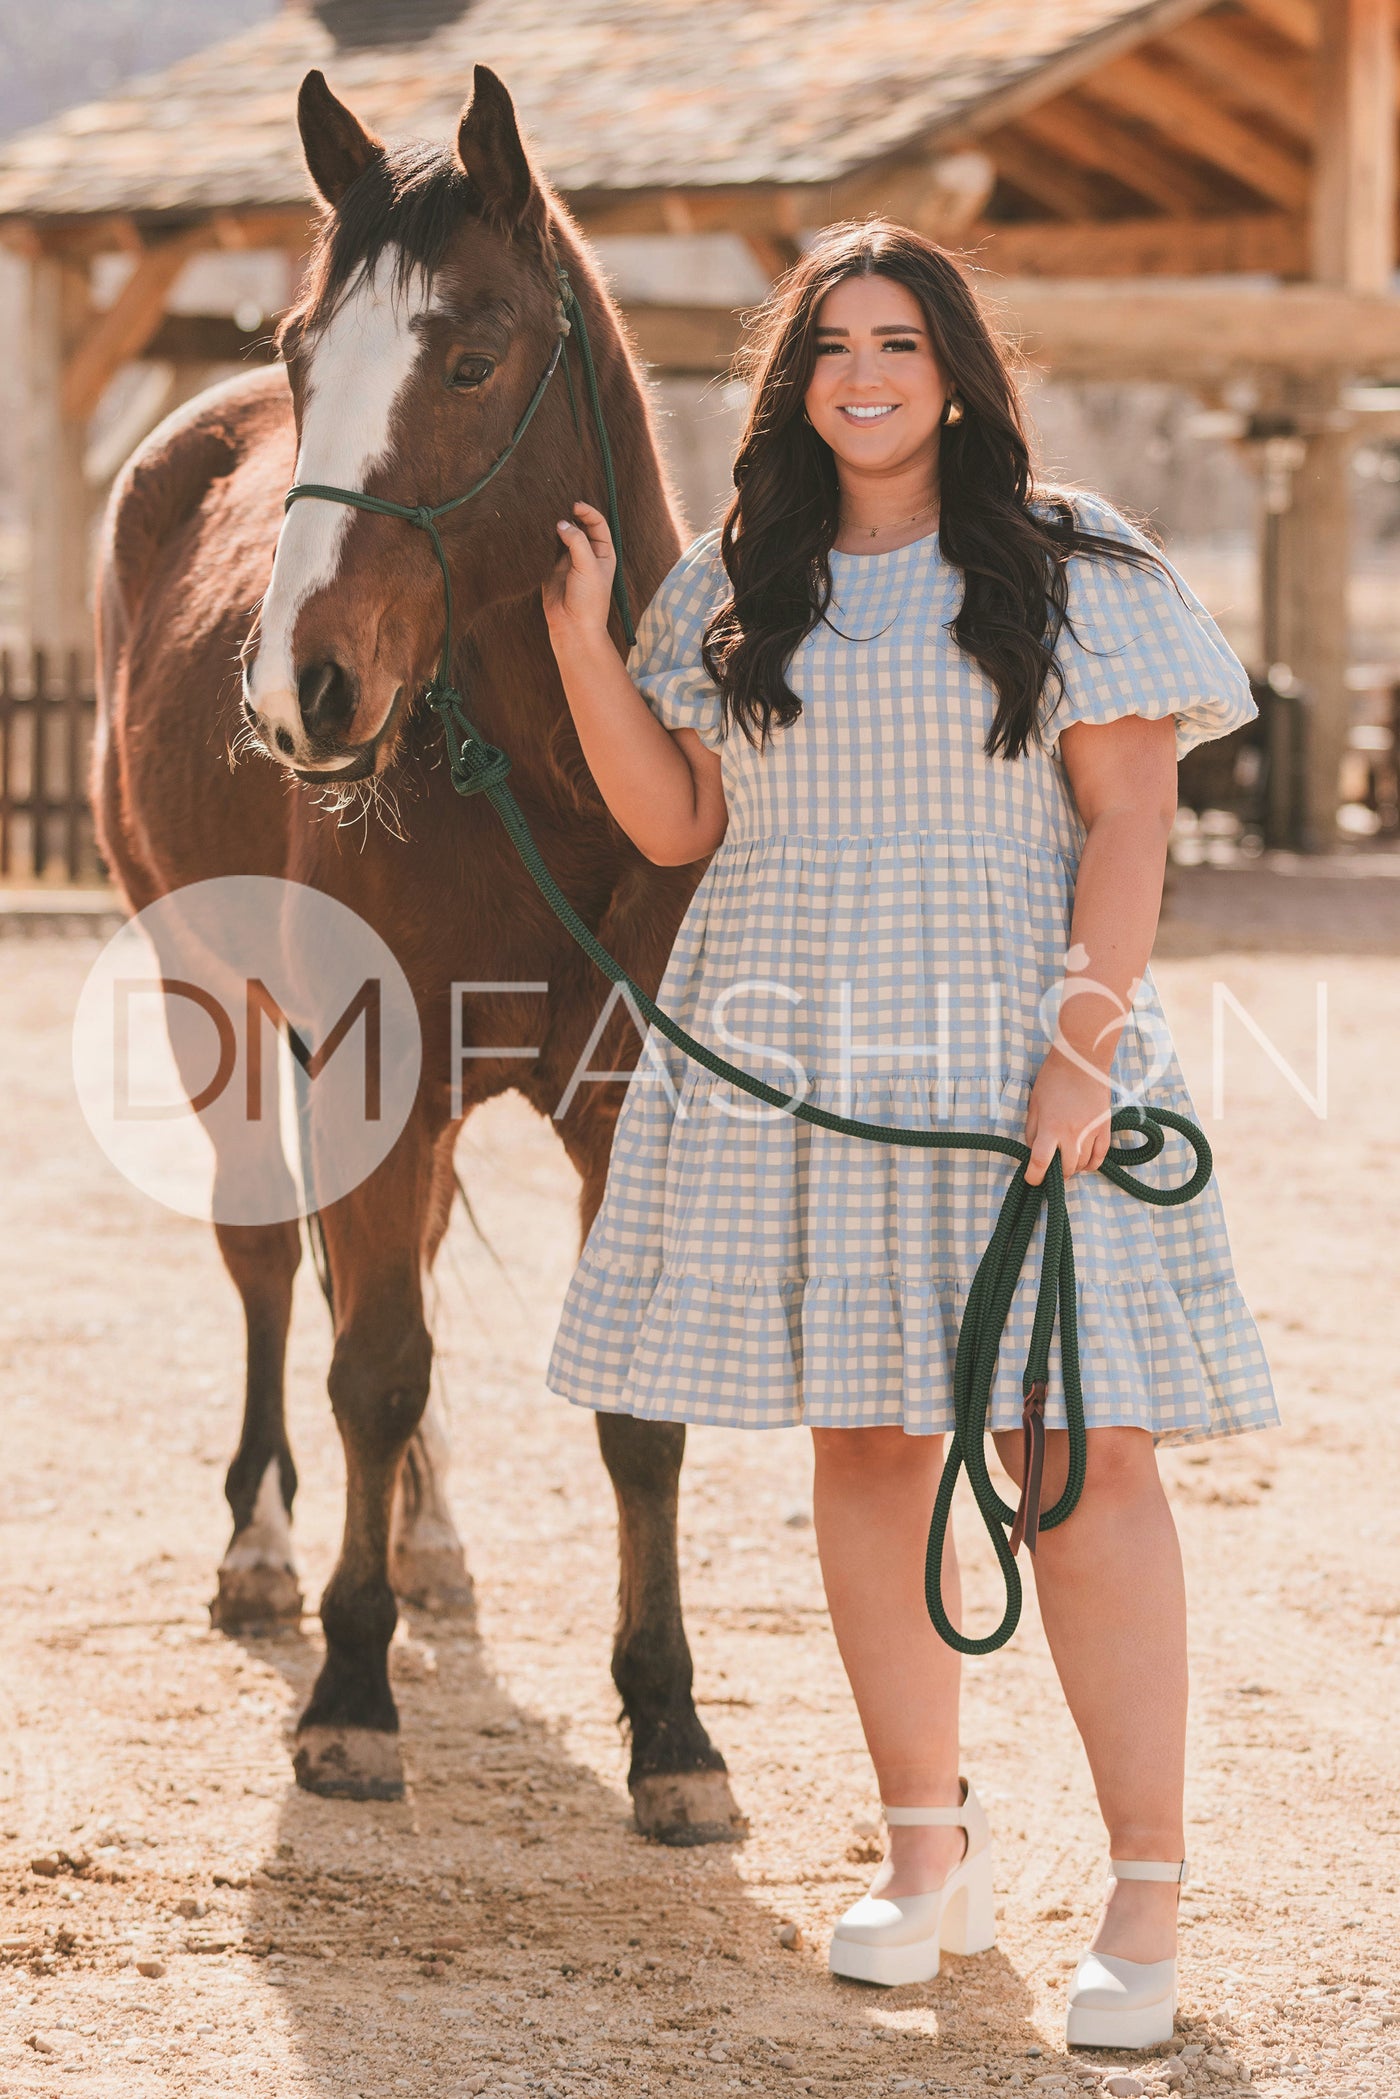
{"x": 885, "y": 930}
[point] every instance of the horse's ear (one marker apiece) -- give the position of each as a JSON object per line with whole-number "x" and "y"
{"x": 489, "y": 148}
{"x": 337, "y": 146}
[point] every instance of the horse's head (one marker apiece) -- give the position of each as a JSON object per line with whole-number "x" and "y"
{"x": 429, "y": 316}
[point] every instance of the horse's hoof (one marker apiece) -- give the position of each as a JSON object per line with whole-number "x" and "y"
{"x": 688, "y": 1807}
{"x": 349, "y": 1763}
{"x": 255, "y": 1592}
{"x": 434, "y": 1578}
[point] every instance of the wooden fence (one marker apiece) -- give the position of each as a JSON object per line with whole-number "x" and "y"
{"x": 47, "y": 711}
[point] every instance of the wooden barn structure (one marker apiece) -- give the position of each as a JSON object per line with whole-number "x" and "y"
{"x": 1190, "y": 190}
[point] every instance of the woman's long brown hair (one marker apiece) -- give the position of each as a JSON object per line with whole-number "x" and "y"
{"x": 779, "y": 528}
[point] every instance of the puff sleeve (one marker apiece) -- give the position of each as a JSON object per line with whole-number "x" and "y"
{"x": 1142, "y": 643}
{"x": 664, "y": 663}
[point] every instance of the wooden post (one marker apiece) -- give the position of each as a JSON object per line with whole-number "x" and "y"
{"x": 7, "y": 762}
{"x": 58, "y": 501}
{"x": 39, "y": 767}
{"x": 1353, "y": 215}
{"x": 1313, "y": 544}
{"x": 75, "y": 765}
{"x": 1353, "y": 249}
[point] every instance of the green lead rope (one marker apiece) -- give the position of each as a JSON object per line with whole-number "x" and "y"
{"x": 478, "y": 767}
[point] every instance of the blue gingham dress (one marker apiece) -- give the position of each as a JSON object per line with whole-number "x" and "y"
{"x": 886, "y": 926}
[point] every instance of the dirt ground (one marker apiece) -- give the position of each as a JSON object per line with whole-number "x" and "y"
{"x": 175, "y": 1918}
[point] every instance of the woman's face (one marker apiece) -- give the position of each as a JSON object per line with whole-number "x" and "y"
{"x": 876, "y": 393}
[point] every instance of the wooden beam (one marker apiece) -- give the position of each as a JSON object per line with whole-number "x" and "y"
{"x": 1070, "y": 69}
{"x": 291, "y": 227}
{"x": 685, "y": 340}
{"x": 1225, "y": 55}
{"x": 1135, "y": 328}
{"x": 1091, "y": 138}
{"x": 78, "y": 237}
{"x": 209, "y": 338}
{"x": 1293, "y": 20}
{"x": 1149, "y": 328}
{"x": 1160, "y": 97}
{"x": 1252, "y": 242}
{"x": 1354, "y": 187}
{"x": 774, "y": 256}
{"x": 741, "y": 208}
{"x": 940, "y": 196}
{"x": 19, "y": 237}
{"x": 122, "y": 331}
{"x": 1043, "y": 178}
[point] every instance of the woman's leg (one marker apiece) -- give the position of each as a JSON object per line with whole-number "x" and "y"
{"x": 1113, "y": 1603}
{"x": 872, "y": 1499}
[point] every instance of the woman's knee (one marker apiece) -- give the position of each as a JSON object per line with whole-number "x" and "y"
{"x": 1120, "y": 1466}
{"x": 858, "y": 1454}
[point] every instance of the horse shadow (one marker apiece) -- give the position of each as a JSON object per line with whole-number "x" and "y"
{"x": 504, "y": 1922}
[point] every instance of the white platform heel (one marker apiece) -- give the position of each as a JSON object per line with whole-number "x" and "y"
{"x": 1115, "y": 2003}
{"x": 892, "y": 1939}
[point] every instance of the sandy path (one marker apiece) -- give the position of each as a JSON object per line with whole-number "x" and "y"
{"x": 503, "y": 1930}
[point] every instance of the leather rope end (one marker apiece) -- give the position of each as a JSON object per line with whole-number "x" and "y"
{"x": 1026, "y": 1525}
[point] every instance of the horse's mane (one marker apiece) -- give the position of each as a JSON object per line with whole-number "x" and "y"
{"x": 410, "y": 200}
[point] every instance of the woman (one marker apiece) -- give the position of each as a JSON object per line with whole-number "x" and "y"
{"x": 927, "y": 718}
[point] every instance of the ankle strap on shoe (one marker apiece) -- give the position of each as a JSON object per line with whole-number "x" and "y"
{"x": 967, "y": 1814}
{"x": 1148, "y": 1869}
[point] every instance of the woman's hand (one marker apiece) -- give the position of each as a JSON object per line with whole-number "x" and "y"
{"x": 578, "y": 595}
{"x": 1069, "y": 1112}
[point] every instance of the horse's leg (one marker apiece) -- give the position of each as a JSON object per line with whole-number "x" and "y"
{"x": 427, "y": 1564}
{"x": 677, "y": 1778}
{"x": 257, "y": 1579}
{"x": 347, "y": 1740}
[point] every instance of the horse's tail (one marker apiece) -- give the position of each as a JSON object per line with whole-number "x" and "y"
{"x": 311, "y": 1216}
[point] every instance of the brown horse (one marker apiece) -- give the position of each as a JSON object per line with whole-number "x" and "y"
{"x": 428, "y": 317}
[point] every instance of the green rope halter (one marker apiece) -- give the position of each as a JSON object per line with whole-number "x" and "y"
{"x": 425, "y": 516}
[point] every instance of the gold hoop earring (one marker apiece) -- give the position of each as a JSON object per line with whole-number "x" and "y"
{"x": 953, "y": 410}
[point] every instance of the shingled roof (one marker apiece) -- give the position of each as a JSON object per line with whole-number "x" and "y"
{"x": 618, "y": 94}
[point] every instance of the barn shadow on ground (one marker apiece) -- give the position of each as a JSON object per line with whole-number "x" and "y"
{"x": 504, "y": 1927}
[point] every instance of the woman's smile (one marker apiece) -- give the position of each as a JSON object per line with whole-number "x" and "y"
{"x": 868, "y": 413}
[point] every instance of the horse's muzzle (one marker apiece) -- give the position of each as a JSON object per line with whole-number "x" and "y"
{"x": 363, "y": 758}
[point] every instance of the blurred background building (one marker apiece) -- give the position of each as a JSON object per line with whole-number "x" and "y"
{"x": 1185, "y": 212}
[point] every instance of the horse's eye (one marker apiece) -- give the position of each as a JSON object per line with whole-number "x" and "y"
{"x": 470, "y": 372}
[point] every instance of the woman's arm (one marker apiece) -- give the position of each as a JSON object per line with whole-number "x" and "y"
{"x": 1123, "y": 774}
{"x": 663, "y": 785}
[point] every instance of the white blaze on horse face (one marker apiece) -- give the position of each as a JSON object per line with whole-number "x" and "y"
{"x": 359, "y": 365}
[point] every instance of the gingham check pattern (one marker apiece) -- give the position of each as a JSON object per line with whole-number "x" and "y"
{"x": 886, "y": 921}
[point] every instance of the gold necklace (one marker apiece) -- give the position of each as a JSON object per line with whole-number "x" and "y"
{"x": 873, "y": 531}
